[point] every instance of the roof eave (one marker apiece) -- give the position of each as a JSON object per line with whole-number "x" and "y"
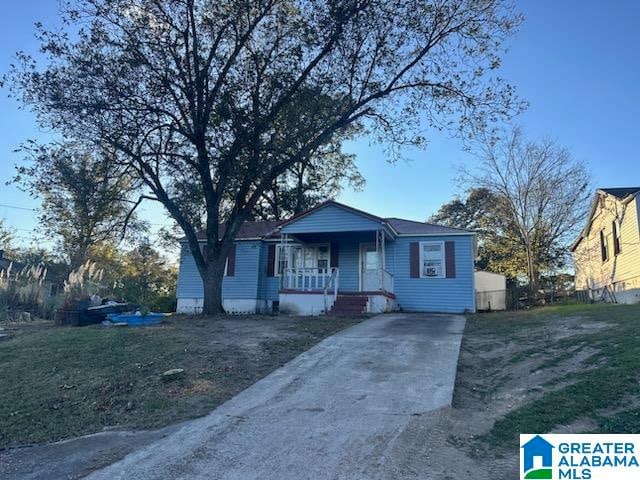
{"x": 440, "y": 234}
{"x": 326, "y": 204}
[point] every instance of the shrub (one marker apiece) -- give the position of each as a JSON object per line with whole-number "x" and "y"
{"x": 82, "y": 284}
{"x": 21, "y": 290}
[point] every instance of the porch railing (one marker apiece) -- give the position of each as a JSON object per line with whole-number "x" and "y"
{"x": 308, "y": 278}
{"x": 386, "y": 280}
{"x": 327, "y": 279}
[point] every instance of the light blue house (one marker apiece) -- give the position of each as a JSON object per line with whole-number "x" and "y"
{"x": 334, "y": 258}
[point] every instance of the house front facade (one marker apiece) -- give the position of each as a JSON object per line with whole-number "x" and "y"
{"x": 606, "y": 255}
{"x": 334, "y": 258}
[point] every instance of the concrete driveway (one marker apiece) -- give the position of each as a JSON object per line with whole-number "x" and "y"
{"x": 331, "y": 413}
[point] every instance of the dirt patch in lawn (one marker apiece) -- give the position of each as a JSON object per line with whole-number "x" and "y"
{"x": 569, "y": 369}
{"x": 63, "y": 382}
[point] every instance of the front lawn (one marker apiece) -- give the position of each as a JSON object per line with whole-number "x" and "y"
{"x": 587, "y": 358}
{"x": 60, "y": 382}
{"x": 562, "y": 369}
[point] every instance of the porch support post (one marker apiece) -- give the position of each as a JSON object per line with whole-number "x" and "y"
{"x": 289, "y": 261}
{"x": 384, "y": 253}
{"x": 283, "y": 280}
{"x": 379, "y": 254}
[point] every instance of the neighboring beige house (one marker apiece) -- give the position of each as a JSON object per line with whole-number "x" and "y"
{"x": 607, "y": 252}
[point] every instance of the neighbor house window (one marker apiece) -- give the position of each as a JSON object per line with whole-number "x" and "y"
{"x": 603, "y": 246}
{"x": 616, "y": 238}
{"x": 432, "y": 259}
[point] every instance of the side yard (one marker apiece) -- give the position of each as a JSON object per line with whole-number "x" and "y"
{"x": 61, "y": 382}
{"x": 564, "y": 369}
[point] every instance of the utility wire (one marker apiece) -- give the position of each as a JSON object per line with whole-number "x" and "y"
{"x": 18, "y": 208}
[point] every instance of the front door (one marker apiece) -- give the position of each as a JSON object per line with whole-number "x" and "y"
{"x": 369, "y": 268}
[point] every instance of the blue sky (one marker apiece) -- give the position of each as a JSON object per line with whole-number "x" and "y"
{"x": 576, "y": 62}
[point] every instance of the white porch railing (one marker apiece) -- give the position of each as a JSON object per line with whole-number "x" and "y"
{"x": 386, "y": 280}
{"x": 308, "y": 278}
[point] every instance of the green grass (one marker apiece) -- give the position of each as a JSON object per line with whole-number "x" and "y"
{"x": 608, "y": 383}
{"x": 64, "y": 382}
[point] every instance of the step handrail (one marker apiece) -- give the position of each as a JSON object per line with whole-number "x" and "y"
{"x": 333, "y": 281}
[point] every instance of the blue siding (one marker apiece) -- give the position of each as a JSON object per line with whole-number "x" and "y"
{"x": 348, "y": 263}
{"x": 243, "y": 285}
{"x": 189, "y": 281}
{"x": 452, "y": 295}
{"x": 268, "y": 287}
{"x": 331, "y": 219}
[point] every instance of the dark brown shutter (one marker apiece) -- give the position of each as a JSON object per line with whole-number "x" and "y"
{"x": 450, "y": 258}
{"x": 271, "y": 260}
{"x": 414, "y": 260}
{"x": 334, "y": 255}
{"x": 231, "y": 261}
{"x": 603, "y": 246}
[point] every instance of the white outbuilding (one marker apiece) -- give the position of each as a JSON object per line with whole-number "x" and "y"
{"x": 491, "y": 291}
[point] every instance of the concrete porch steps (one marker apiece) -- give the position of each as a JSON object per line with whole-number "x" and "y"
{"x": 349, "y": 305}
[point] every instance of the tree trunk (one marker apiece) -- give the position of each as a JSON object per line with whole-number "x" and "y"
{"x": 212, "y": 286}
{"x": 531, "y": 274}
{"x": 299, "y": 191}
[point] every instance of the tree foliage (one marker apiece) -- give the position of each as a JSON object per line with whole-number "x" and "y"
{"x": 145, "y": 277}
{"x": 139, "y": 274}
{"x": 527, "y": 199}
{"x": 6, "y": 238}
{"x": 209, "y": 102}
{"x": 310, "y": 182}
{"x": 482, "y": 211}
{"x": 86, "y": 197}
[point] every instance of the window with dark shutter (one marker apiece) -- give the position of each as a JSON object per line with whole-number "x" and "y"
{"x": 334, "y": 255}
{"x": 271, "y": 260}
{"x": 603, "y": 246}
{"x": 616, "y": 237}
{"x": 450, "y": 259}
{"x": 414, "y": 260}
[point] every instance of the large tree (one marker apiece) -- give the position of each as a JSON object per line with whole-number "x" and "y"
{"x": 210, "y": 101}
{"x": 86, "y": 197}
{"x": 541, "y": 195}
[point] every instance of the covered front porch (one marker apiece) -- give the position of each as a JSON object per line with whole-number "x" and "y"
{"x": 338, "y": 272}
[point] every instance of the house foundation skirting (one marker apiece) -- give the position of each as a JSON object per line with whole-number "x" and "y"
{"x": 193, "y": 306}
{"x": 314, "y": 302}
{"x": 304, "y": 303}
{"x": 629, "y": 296}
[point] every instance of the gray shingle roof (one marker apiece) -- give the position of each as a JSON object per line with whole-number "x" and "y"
{"x": 15, "y": 265}
{"x": 621, "y": 192}
{"x": 253, "y": 229}
{"x": 405, "y": 227}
